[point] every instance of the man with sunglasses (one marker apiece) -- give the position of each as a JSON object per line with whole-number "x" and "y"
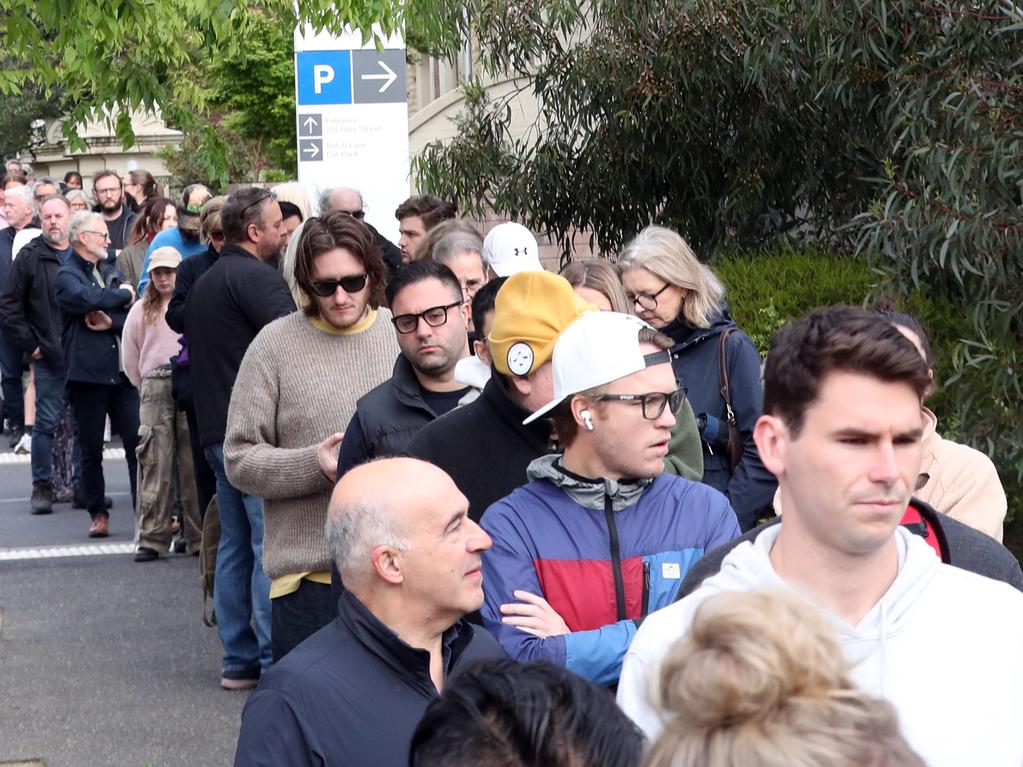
{"x": 601, "y": 536}
{"x": 430, "y": 320}
{"x": 296, "y": 390}
{"x": 228, "y": 306}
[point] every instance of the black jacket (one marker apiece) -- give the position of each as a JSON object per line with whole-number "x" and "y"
{"x": 7, "y": 235}
{"x": 28, "y": 305}
{"x": 390, "y": 251}
{"x": 236, "y": 298}
{"x": 351, "y": 695}
{"x": 695, "y": 359}
{"x": 91, "y": 356}
{"x": 483, "y": 446}
{"x": 189, "y": 272}
{"x": 960, "y": 544}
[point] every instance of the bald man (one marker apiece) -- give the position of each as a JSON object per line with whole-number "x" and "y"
{"x": 411, "y": 560}
{"x": 349, "y": 201}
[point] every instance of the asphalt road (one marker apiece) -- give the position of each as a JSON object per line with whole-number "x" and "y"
{"x": 103, "y": 661}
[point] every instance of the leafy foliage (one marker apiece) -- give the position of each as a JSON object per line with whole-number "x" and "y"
{"x": 889, "y": 127}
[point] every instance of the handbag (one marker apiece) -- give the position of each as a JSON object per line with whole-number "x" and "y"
{"x": 734, "y": 437}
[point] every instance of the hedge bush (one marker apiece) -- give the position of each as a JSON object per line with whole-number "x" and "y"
{"x": 768, "y": 289}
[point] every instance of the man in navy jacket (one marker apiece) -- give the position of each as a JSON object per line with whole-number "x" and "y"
{"x": 353, "y": 692}
{"x": 95, "y": 299}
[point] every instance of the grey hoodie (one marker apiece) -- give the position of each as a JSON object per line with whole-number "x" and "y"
{"x": 943, "y": 645}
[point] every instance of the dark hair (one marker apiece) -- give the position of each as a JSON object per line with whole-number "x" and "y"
{"x": 835, "y": 338}
{"x": 501, "y": 713}
{"x": 432, "y": 210}
{"x": 243, "y": 208}
{"x": 339, "y": 230}
{"x": 564, "y": 422}
{"x": 14, "y": 175}
{"x": 103, "y": 174}
{"x": 149, "y": 221}
{"x": 417, "y": 271}
{"x": 886, "y": 308}
{"x": 289, "y": 209}
{"x": 144, "y": 179}
{"x": 73, "y": 174}
{"x": 484, "y": 301}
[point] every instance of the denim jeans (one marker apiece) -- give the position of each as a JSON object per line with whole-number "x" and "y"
{"x": 11, "y": 368}
{"x": 299, "y": 615}
{"x": 241, "y": 590}
{"x": 92, "y": 402}
{"x": 49, "y": 401}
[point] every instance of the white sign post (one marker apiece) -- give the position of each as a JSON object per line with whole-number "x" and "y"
{"x": 353, "y": 121}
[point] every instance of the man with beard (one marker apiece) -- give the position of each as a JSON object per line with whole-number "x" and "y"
{"x": 109, "y": 193}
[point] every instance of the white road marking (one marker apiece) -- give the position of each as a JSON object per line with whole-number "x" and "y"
{"x": 26, "y": 500}
{"x": 75, "y": 550}
{"x": 10, "y": 458}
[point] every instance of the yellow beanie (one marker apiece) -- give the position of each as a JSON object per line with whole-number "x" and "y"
{"x": 530, "y": 311}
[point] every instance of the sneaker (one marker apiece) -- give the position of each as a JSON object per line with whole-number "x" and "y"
{"x": 146, "y": 554}
{"x": 100, "y": 527}
{"x": 24, "y": 446}
{"x": 238, "y": 684}
{"x": 78, "y": 499}
{"x": 42, "y": 498}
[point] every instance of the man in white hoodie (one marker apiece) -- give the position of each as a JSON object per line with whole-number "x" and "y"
{"x": 842, "y": 430}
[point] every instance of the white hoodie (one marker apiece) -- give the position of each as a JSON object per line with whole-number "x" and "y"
{"x": 943, "y": 645}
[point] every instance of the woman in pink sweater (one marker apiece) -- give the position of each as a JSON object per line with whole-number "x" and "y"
{"x": 147, "y": 345}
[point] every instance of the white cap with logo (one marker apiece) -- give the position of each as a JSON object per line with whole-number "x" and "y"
{"x": 596, "y": 349}
{"x": 510, "y": 248}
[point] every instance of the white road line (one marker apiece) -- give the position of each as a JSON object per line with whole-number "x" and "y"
{"x": 26, "y": 500}
{"x": 12, "y": 458}
{"x": 75, "y": 550}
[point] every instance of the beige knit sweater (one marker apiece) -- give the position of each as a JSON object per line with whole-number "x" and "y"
{"x": 297, "y": 385}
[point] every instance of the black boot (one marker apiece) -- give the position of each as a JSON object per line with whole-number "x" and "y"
{"x": 42, "y": 498}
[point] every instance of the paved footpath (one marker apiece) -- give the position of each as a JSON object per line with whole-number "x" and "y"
{"x": 103, "y": 661}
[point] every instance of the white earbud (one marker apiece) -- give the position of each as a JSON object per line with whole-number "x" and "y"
{"x": 587, "y": 420}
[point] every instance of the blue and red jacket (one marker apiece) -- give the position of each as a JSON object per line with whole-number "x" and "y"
{"x": 602, "y": 566}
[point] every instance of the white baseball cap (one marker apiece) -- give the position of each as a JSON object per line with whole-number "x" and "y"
{"x": 596, "y": 349}
{"x": 510, "y": 248}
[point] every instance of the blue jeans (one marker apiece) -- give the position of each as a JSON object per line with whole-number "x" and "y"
{"x": 241, "y": 590}
{"x": 11, "y": 369}
{"x": 49, "y": 382}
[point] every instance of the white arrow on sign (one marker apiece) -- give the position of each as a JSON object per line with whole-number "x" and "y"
{"x": 310, "y": 122}
{"x": 312, "y": 150}
{"x": 389, "y": 77}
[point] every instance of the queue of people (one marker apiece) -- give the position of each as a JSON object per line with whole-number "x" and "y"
{"x": 461, "y": 496}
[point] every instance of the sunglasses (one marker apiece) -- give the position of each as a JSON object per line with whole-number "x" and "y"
{"x": 357, "y": 214}
{"x": 350, "y": 284}
{"x": 652, "y": 404}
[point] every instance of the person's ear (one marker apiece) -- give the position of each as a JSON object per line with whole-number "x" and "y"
{"x": 482, "y": 352}
{"x": 582, "y": 412}
{"x": 772, "y": 438}
{"x": 466, "y": 313}
{"x": 523, "y": 385}
{"x": 387, "y": 563}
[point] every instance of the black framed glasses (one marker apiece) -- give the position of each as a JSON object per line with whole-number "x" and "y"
{"x": 647, "y": 301}
{"x": 652, "y": 404}
{"x": 353, "y": 283}
{"x": 435, "y": 317}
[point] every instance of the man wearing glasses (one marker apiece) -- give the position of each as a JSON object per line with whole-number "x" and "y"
{"x": 349, "y": 201}
{"x": 601, "y": 536}
{"x": 95, "y": 300}
{"x": 109, "y": 193}
{"x": 295, "y": 392}
{"x": 430, "y": 320}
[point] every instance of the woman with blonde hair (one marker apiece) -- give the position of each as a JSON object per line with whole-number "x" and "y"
{"x": 78, "y": 200}
{"x": 597, "y": 281}
{"x": 713, "y": 359}
{"x": 760, "y": 679}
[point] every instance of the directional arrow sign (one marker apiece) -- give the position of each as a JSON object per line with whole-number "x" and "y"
{"x": 310, "y": 125}
{"x": 388, "y": 77}
{"x": 378, "y": 77}
{"x": 310, "y": 150}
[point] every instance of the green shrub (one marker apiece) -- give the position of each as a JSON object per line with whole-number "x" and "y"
{"x": 769, "y": 289}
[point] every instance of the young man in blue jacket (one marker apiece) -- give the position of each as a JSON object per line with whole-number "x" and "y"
{"x": 95, "y": 300}
{"x": 601, "y": 536}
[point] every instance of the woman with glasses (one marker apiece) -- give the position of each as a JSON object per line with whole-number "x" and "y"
{"x": 78, "y": 200}
{"x": 153, "y": 217}
{"x": 670, "y": 289}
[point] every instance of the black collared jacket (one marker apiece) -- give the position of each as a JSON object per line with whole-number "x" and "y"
{"x": 352, "y": 694}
